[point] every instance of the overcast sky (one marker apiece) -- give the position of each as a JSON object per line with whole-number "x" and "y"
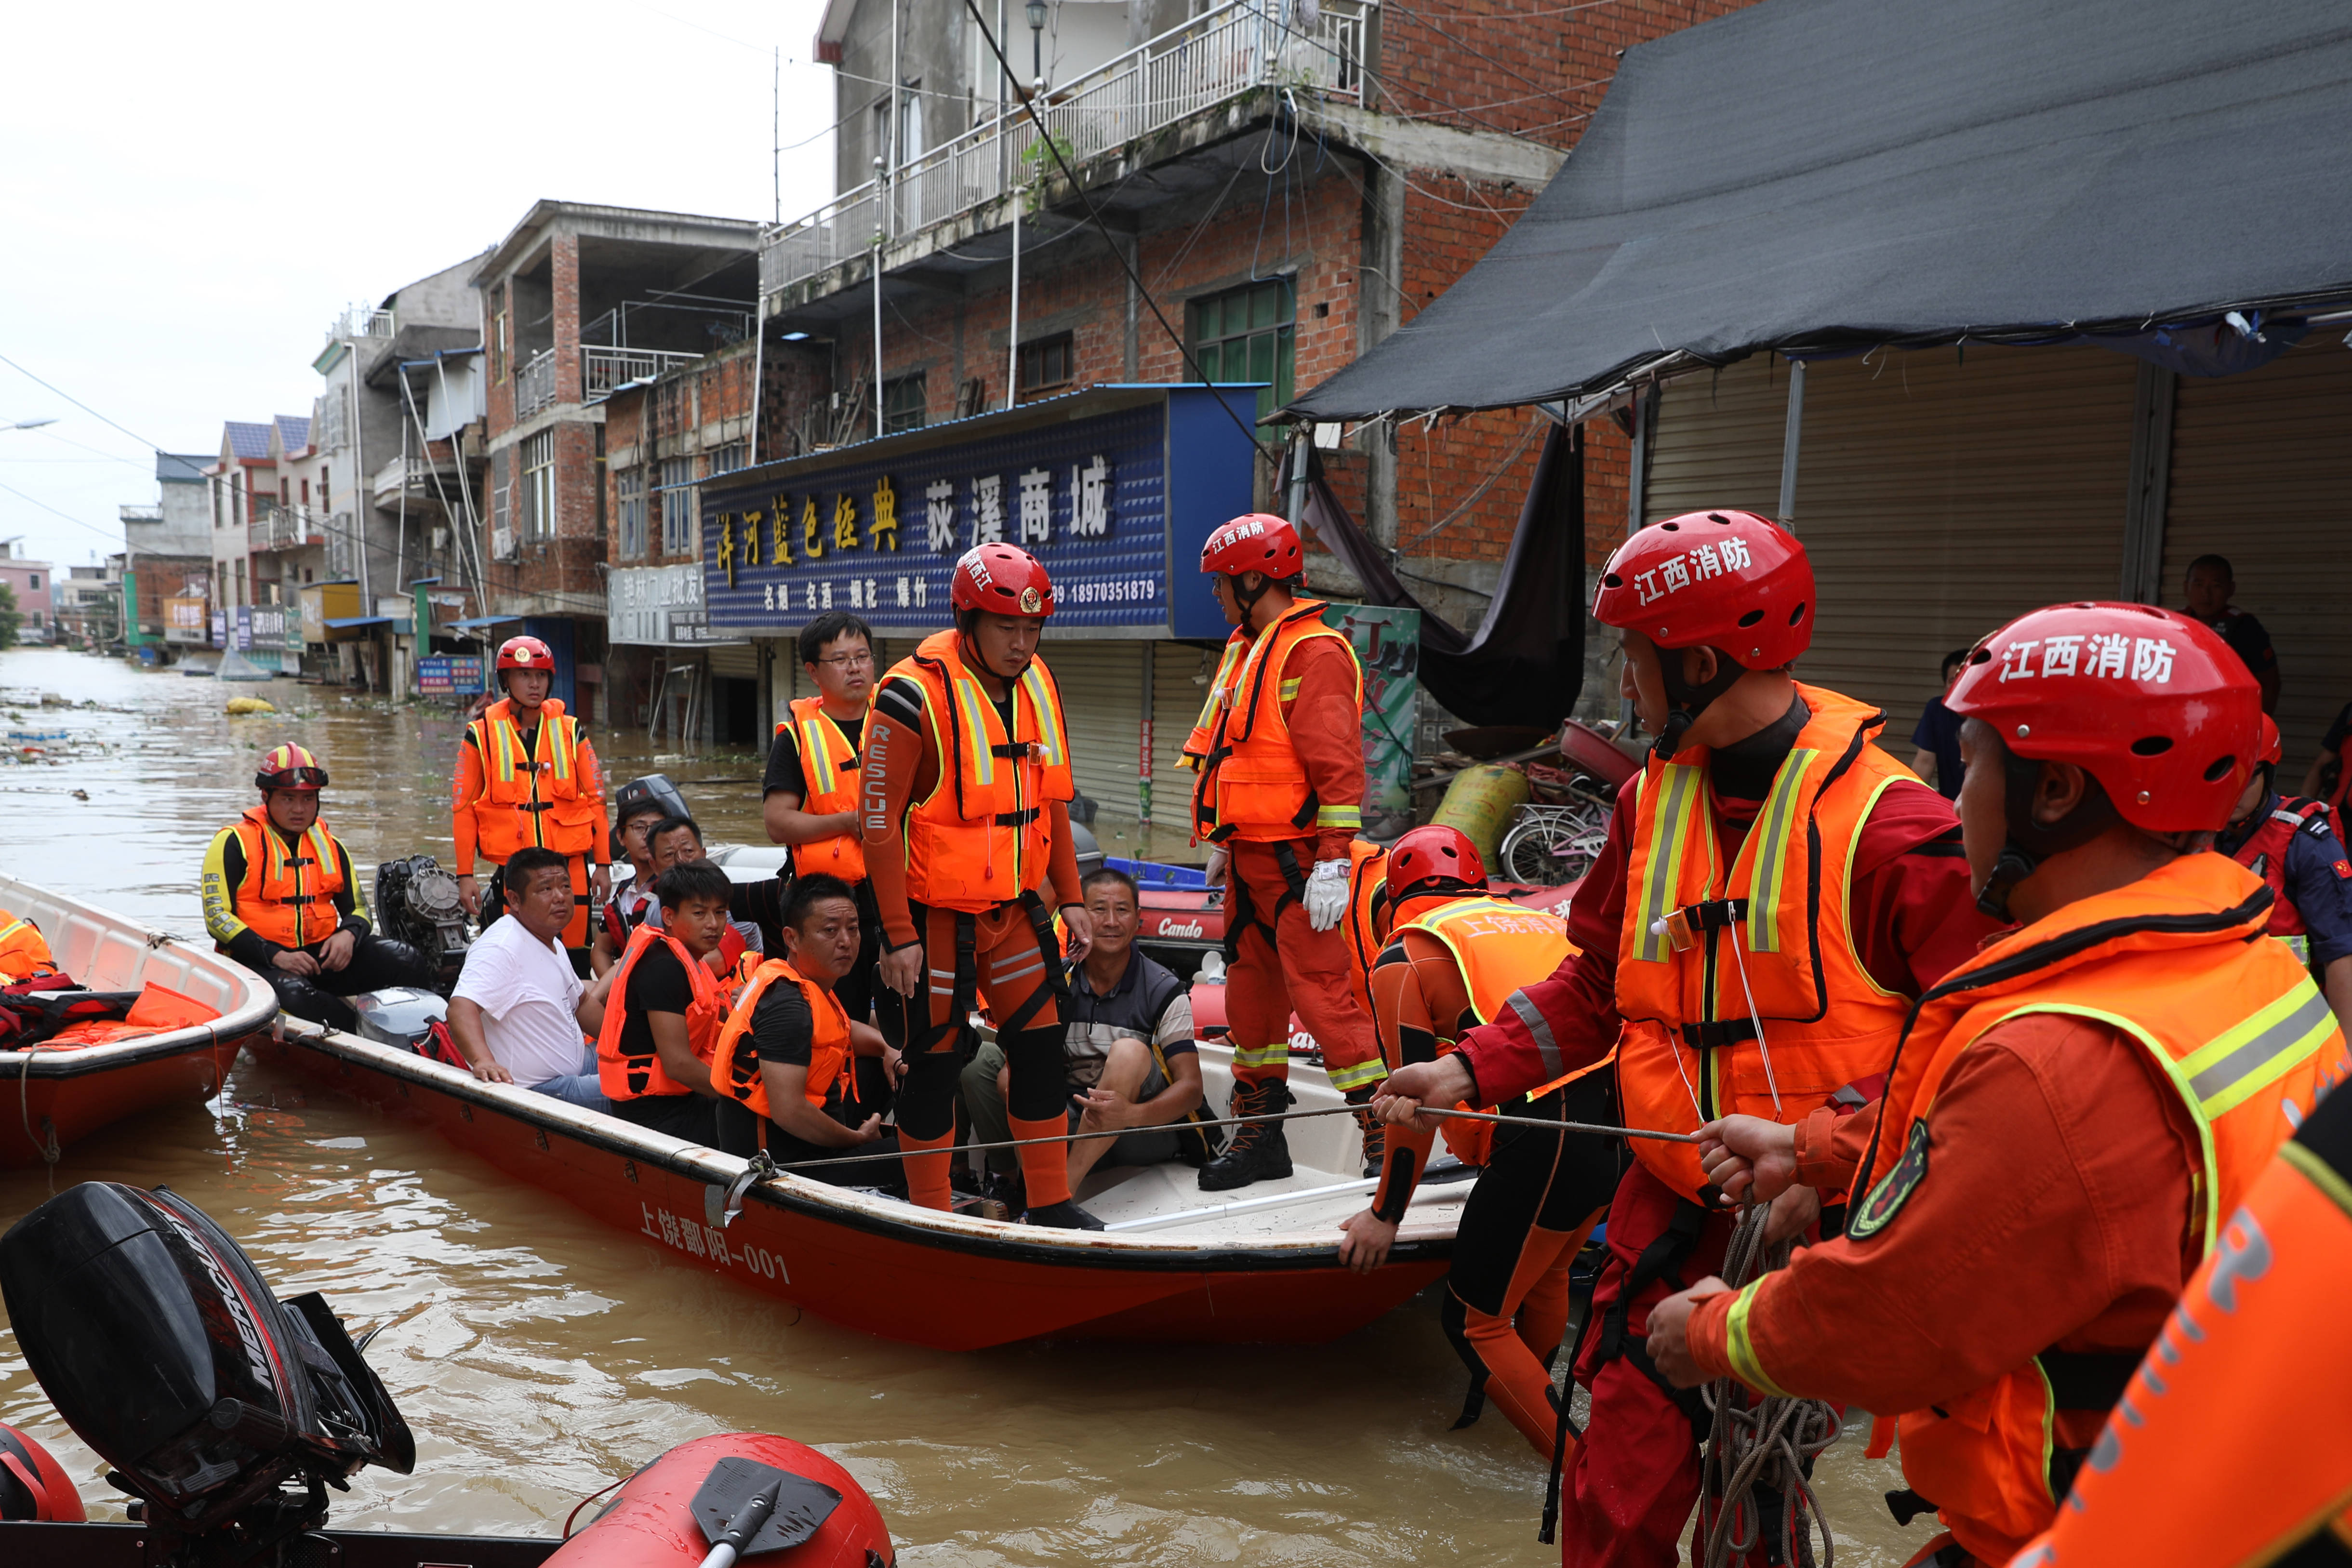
{"x": 191, "y": 195}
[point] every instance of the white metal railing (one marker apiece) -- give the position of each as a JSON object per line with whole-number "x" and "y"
{"x": 285, "y": 528}
{"x": 361, "y": 322}
{"x": 414, "y": 473}
{"x": 1219, "y": 55}
{"x": 535, "y": 383}
{"x": 604, "y": 370}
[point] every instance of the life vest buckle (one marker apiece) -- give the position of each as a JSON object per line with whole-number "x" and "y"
{"x": 1682, "y": 927}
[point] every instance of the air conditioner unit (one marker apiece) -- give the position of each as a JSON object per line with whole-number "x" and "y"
{"x": 503, "y": 545}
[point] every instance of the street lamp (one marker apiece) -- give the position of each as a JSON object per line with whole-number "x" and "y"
{"x": 1037, "y": 11}
{"x": 37, "y": 423}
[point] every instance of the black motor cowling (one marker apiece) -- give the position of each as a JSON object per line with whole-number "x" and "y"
{"x": 417, "y": 902}
{"x": 153, "y": 1335}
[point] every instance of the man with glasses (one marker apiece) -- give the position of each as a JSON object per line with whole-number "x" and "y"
{"x": 811, "y": 787}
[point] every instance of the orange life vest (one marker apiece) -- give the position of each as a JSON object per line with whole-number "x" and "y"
{"x": 2265, "y": 854}
{"x": 534, "y": 796}
{"x": 1501, "y": 948}
{"x": 982, "y": 837}
{"x": 2233, "y": 1026}
{"x": 633, "y": 1078}
{"x": 1708, "y": 949}
{"x": 2203, "y": 1463}
{"x": 24, "y": 952}
{"x": 1252, "y": 785}
{"x": 735, "y": 1065}
{"x": 289, "y": 893}
{"x": 829, "y": 768}
{"x": 1368, "y": 886}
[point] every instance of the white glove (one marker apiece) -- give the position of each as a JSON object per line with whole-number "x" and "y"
{"x": 1326, "y": 894}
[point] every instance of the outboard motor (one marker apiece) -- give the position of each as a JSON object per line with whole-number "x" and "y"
{"x": 399, "y": 1015}
{"x": 225, "y": 1412}
{"x": 655, "y": 787}
{"x": 417, "y": 902}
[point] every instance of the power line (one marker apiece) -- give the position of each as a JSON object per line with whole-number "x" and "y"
{"x": 86, "y": 408}
{"x": 113, "y": 538}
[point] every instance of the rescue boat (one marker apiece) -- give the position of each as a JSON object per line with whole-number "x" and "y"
{"x": 1173, "y": 1263}
{"x": 205, "y": 1006}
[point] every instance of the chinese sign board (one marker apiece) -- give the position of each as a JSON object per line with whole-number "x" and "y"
{"x": 184, "y": 620}
{"x": 656, "y": 605}
{"x": 1388, "y": 644}
{"x": 448, "y": 675}
{"x": 1106, "y": 499}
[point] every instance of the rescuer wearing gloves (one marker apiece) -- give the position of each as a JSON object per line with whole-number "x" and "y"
{"x": 1453, "y": 959}
{"x": 966, "y": 789}
{"x": 2072, "y": 1114}
{"x": 280, "y": 898}
{"x": 1773, "y": 892}
{"x": 1280, "y": 747}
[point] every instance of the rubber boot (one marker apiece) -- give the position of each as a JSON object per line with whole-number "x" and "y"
{"x": 1375, "y": 1131}
{"x": 1258, "y": 1152}
{"x": 1063, "y": 1216}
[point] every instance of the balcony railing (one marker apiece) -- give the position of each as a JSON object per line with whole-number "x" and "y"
{"x": 361, "y": 322}
{"x": 286, "y": 528}
{"x": 417, "y": 475}
{"x": 535, "y": 383}
{"x": 1228, "y": 50}
{"x": 604, "y": 371}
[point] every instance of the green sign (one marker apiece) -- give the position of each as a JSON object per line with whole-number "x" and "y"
{"x": 1388, "y": 644}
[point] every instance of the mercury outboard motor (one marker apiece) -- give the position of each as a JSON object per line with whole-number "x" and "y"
{"x": 417, "y": 902}
{"x": 225, "y": 1411}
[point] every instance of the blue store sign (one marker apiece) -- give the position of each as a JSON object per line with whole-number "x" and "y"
{"x": 1114, "y": 489}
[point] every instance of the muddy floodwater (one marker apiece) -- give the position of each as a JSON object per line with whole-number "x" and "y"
{"x": 540, "y": 1355}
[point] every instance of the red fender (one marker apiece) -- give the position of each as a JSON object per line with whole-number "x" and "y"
{"x": 33, "y": 1485}
{"x": 651, "y": 1523}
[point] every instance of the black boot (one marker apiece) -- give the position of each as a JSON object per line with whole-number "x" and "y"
{"x": 1063, "y": 1216}
{"x": 1376, "y": 1132}
{"x": 1258, "y": 1152}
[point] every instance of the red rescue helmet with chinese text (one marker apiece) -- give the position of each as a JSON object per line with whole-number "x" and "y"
{"x": 289, "y": 766}
{"x": 2150, "y": 703}
{"x": 1002, "y": 580}
{"x": 1432, "y": 859}
{"x": 1256, "y": 542}
{"x": 1726, "y": 580}
{"x": 526, "y": 653}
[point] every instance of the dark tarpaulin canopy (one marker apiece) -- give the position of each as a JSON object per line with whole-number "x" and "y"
{"x": 1525, "y": 663}
{"x": 1828, "y": 175}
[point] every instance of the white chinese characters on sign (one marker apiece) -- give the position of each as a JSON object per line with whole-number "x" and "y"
{"x": 1679, "y": 572}
{"x": 988, "y": 510}
{"x": 1090, "y": 519}
{"x": 2101, "y": 655}
{"x": 939, "y": 515}
{"x": 1037, "y": 506}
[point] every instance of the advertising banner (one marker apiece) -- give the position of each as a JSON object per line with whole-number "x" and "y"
{"x": 449, "y": 675}
{"x": 1388, "y": 644}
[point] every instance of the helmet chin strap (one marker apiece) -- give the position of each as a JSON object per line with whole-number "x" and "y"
{"x": 2030, "y": 843}
{"x": 970, "y": 650}
{"x": 1687, "y": 702}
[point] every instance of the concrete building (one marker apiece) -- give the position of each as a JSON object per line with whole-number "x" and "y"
{"x": 89, "y": 603}
{"x": 578, "y": 301}
{"x": 34, "y": 583}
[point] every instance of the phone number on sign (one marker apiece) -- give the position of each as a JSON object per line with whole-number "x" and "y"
{"x": 1110, "y": 591}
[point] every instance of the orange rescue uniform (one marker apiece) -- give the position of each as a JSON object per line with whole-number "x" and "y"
{"x": 2003, "y": 1388}
{"x": 517, "y": 788}
{"x": 24, "y": 953}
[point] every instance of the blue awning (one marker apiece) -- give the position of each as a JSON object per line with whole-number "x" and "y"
{"x": 347, "y": 622}
{"x": 486, "y": 621}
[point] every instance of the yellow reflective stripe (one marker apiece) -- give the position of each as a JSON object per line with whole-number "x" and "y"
{"x": 1338, "y": 816}
{"x": 1049, "y": 718}
{"x": 815, "y": 754}
{"x": 1741, "y": 1349}
{"x": 555, "y": 734}
{"x": 1662, "y": 871}
{"x": 221, "y": 922}
{"x": 1771, "y": 861}
{"x": 1360, "y": 1075}
{"x": 1275, "y": 1055}
{"x": 1290, "y": 688}
{"x": 975, "y": 709}
{"x": 2230, "y": 1069}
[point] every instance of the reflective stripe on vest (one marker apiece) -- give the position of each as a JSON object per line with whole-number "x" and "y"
{"x": 829, "y": 768}
{"x": 1768, "y": 938}
{"x": 24, "y": 952}
{"x": 635, "y": 1077}
{"x": 1501, "y": 949}
{"x": 287, "y": 895}
{"x": 1367, "y": 888}
{"x": 2233, "y": 1025}
{"x": 530, "y": 797}
{"x": 1253, "y": 785}
{"x": 2265, "y": 854}
{"x": 735, "y": 1060}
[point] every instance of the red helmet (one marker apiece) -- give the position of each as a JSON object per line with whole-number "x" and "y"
{"x": 2150, "y": 703}
{"x": 1257, "y": 542}
{"x": 526, "y": 653}
{"x": 1727, "y": 580}
{"x": 291, "y": 767}
{"x": 1003, "y": 580}
{"x": 2271, "y": 752}
{"x": 1432, "y": 855}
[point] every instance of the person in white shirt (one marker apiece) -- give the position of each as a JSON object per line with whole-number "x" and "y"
{"x": 519, "y": 1012}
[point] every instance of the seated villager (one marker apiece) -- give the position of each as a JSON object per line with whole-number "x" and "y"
{"x": 664, "y": 1008}
{"x": 519, "y": 1008}
{"x": 280, "y": 898}
{"x": 632, "y": 901}
{"x": 24, "y": 952}
{"x": 786, "y": 1061}
{"x": 676, "y": 841}
{"x": 1129, "y": 1057}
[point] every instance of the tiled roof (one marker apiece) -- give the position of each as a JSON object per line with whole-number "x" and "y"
{"x": 246, "y": 440}
{"x": 294, "y": 430}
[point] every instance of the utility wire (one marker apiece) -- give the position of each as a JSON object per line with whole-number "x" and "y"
{"x": 113, "y": 536}
{"x": 85, "y": 408}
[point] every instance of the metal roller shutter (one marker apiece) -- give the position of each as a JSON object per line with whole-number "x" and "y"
{"x": 1102, "y": 701}
{"x": 1938, "y": 497}
{"x": 738, "y": 663}
{"x": 1180, "y": 684}
{"x": 2261, "y": 473}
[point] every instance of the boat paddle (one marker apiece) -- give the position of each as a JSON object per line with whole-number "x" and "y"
{"x": 745, "y": 1508}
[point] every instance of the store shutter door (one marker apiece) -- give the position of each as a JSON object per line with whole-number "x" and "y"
{"x": 1102, "y": 700}
{"x": 738, "y": 663}
{"x": 2261, "y": 473}
{"x": 1181, "y": 674}
{"x": 1938, "y": 497}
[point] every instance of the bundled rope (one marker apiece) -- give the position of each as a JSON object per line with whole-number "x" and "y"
{"x": 1761, "y": 1445}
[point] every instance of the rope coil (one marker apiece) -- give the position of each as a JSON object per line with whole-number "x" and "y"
{"x": 1761, "y": 1445}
